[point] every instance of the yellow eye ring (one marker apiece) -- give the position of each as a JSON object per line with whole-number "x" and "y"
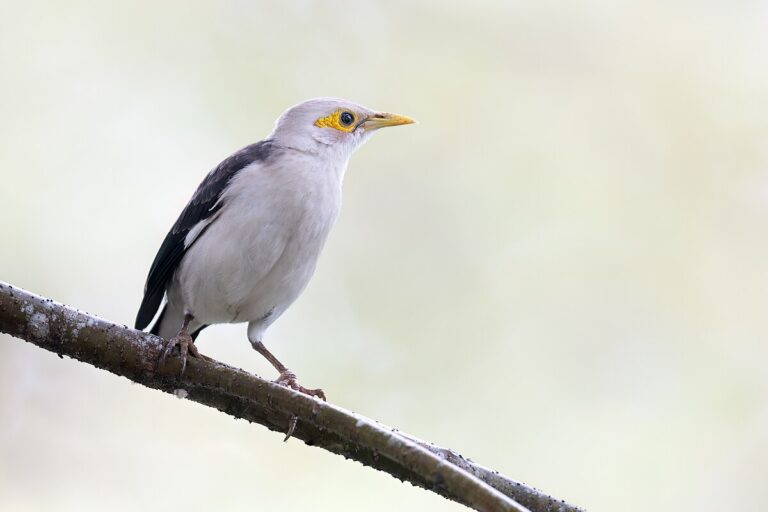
{"x": 341, "y": 120}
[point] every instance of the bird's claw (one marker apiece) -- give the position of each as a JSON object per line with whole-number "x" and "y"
{"x": 186, "y": 346}
{"x": 292, "y": 422}
{"x": 288, "y": 379}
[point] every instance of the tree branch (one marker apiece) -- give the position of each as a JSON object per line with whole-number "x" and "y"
{"x": 133, "y": 354}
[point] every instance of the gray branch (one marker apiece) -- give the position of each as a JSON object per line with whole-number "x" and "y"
{"x": 133, "y": 354}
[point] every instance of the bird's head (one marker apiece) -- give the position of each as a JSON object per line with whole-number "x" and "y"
{"x": 330, "y": 125}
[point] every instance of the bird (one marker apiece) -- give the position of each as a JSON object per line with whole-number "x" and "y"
{"x": 247, "y": 243}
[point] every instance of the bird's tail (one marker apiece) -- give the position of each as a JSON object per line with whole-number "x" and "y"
{"x": 169, "y": 322}
{"x": 156, "y": 327}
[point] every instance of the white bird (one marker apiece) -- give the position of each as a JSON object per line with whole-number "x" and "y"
{"x": 247, "y": 243}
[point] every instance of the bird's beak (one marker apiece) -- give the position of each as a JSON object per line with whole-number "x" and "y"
{"x": 382, "y": 119}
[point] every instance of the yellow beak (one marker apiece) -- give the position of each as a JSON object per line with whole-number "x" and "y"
{"x": 382, "y": 119}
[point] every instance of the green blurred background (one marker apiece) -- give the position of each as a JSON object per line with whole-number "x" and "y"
{"x": 560, "y": 272}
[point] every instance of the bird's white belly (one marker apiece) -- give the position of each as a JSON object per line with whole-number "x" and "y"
{"x": 254, "y": 260}
{"x": 236, "y": 285}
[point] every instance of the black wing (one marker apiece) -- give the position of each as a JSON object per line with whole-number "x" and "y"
{"x": 204, "y": 203}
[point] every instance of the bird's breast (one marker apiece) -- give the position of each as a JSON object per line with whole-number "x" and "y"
{"x": 261, "y": 251}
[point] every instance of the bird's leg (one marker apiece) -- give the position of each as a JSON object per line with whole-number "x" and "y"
{"x": 287, "y": 377}
{"x": 184, "y": 341}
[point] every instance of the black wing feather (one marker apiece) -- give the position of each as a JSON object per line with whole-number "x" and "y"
{"x": 205, "y": 202}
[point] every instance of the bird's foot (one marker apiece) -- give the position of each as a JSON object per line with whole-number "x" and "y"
{"x": 288, "y": 379}
{"x": 186, "y": 346}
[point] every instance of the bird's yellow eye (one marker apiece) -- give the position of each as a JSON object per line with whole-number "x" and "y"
{"x": 341, "y": 120}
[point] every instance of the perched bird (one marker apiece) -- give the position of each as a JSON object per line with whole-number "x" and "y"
{"x": 247, "y": 243}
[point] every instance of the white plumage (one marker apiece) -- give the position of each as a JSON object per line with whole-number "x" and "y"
{"x": 259, "y": 253}
{"x": 248, "y": 242}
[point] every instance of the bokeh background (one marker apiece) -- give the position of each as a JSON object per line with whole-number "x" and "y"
{"x": 560, "y": 272}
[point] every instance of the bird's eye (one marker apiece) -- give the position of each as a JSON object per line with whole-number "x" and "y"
{"x": 346, "y": 118}
{"x": 342, "y": 120}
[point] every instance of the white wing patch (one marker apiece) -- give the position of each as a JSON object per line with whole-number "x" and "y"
{"x": 197, "y": 229}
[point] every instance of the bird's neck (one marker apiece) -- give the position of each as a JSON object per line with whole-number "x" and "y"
{"x": 333, "y": 160}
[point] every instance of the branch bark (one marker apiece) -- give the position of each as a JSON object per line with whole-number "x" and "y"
{"x": 132, "y": 354}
